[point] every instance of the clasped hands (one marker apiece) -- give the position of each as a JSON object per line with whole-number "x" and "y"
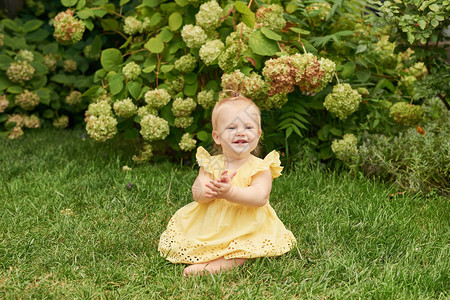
{"x": 219, "y": 188}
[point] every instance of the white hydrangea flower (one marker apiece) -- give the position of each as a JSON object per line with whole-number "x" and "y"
{"x": 132, "y": 26}
{"x": 183, "y": 122}
{"x": 4, "y": 103}
{"x": 101, "y": 128}
{"x": 31, "y": 121}
{"x": 20, "y": 71}
{"x": 186, "y": 63}
{"x": 27, "y": 100}
{"x": 74, "y": 98}
{"x": 25, "y": 55}
{"x": 346, "y": 149}
{"x": 61, "y": 122}
{"x": 102, "y": 108}
{"x": 271, "y": 16}
{"x": 210, "y": 51}
{"x": 147, "y": 110}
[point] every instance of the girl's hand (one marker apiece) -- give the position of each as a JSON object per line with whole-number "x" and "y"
{"x": 219, "y": 188}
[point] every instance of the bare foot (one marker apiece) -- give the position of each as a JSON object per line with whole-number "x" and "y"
{"x": 214, "y": 266}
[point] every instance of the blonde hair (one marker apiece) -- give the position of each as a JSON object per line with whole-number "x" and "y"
{"x": 243, "y": 102}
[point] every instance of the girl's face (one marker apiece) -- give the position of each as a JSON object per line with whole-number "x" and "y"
{"x": 238, "y": 130}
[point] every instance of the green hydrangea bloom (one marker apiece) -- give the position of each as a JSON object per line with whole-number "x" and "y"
{"x": 101, "y": 128}
{"x": 154, "y": 128}
{"x": 346, "y": 149}
{"x": 145, "y": 154}
{"x": 406, "y": 114}
{"x": 186, "y": 63}
{"x": 4, "y": 103}
{"x": 101, "y": 108}
{"x": 187, "y": 143}
{"x": 125, "y": 108}
{"x": 342, "y": 101}
{"x": 210, "y": 51}
{"x": 183, "y": 107}
{"x": 193, "y": 36}
{"x": 206, "y": 99}
{"x": 183, "y": 122}
{"x": 31, "y": 121}
{"x": 70, "y": 65}
{"x": 209, "y": 15}
{"x": 131, "y": 70}
{"x": 61, "y": 122}
{"x": 50, "y": 60}
{"x": 271, "y": 16}
{"x": 25, "y": 55}
{"x": 132, "y": 26}
{"x": 157, "y": 98}
{"x": 74, "y": 98}
{"x": 147, "y": 110}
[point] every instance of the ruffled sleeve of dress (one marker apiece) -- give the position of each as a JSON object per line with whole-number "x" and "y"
{"x": 213, "y": 165}
{"x": 270, "y": 162}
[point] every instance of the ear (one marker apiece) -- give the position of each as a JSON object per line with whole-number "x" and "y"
{"x": 215, "y": 137}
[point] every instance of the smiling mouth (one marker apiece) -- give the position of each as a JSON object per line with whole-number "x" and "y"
{"x": 240, "y": 142}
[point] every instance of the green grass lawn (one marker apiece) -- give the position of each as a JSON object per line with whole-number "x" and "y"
{"x": 71, "y": 228}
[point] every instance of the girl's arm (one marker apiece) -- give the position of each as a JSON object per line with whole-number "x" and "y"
{"x": 255, "y": 195}
{"x": 199, "y": 188}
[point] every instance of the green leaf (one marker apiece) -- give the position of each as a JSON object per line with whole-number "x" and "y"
{"x": 190, "y": 89}
{"x": 92, "y": 91}
{"x": 301, "y": 31}
{"x": 40, "y": 68}
{"x": 165, "y": 35}
{"x": 89, "y": 24}
{"x": 44, "y": 95}
{"x": 166, "y": 68}
{"x": 48, "y": 114}
{"x": 50, "y": 48}
{"x": 10, "y": 24}
{"x": 32, "y": 25}
{"x": 111, "y": 59}
{"x": 134, "y": 88}
{"x": 348, "y": 69}
{"x": 203, "y": 136}
{"x": 123, "y": 2}
{"x": 289, "y": 131}
{"x": 132, "y": 133}
{"x": 4, "y": 82}
{"x": 182, "y": 3}
{"x": 37, "y": 35}
{"x": 270, "y": 34}
{"x": 336, "y": 132}
{"x": 116, "y": 83}
{"x": 363, "y": 76}
{"x": 154, "y": 45}
{"x": 151, "y": 3}
{"x": 149, "y": 69}
{"x": 190, "y": 78}
{"x": 99, "y": 75}
{"x": 175, "y": 21}
{"x": 422, "y": 24}
{"x": 15, "y": 89}
{"x": 69, "y": 3}
{"x": 262, "y": 45}
{"x": 100, "y": 13}
{"x": 410, "y": 37}
{"x": 248, "y": 17}
{"x": 155, "y": 19}
{"x": 434, "y": 7}
{"x": 110, "y": 24}
{"x": 361, "y": 48}
{"x": 434, "y": 22}
{"x": 5, "y": 61}
{"x": 85, "y": 13}
{"x": 81, "y": 4}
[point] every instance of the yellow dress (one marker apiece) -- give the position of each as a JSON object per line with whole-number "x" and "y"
{"x": 203, "y": 232}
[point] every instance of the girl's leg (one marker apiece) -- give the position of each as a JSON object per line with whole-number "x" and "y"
{"x": 214, "y": 266}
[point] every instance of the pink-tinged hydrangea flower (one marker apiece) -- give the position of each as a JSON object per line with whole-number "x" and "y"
{"x": 271, "y": 16}
{"x": 145, "y": 154}
{"x": 154, "y": 128}
{"x": 27, "y": 100}
{"x": 147, "y": 110}
{"x": 20, "y": 71}
{"x": 187, "y": 143}
{"x": 74, "y": 98}
{"x": 183, "y": 122}
{"x": 68, "y": 29}
{"x": 183, "y": 107}
{"x": 157, "y": 98}
{"x": 125, "y": 108}
{"x": 61, "y": 122}
{"x": 16, "y": 133}
{"x": 15, "y": 120}
{"x": 209, "y": 15}
{"x": 131, "y": 70}
{"x": 102, "y": 108}
{"x": 132, "y": 26}
{"x": 50, "y": 60}
{"x": 346, "y": 149}
{"x": 186, "y": 63}
{"x": 101, "y": 128}
{"x": 342, "y": 101}
{"x": 25, "y": 55}
{"x": 206, "y": 99}
{"x": 280, "y": 73}
{"x": 210, "y": 51}
{"x": 193, "y": 36}
{"x": 4, "y": 103}
{"x": 406, "y": 114}
{"x": 31, "y": 121}
{"x": 252, "y": 86}
{"x": 70, "y": 65}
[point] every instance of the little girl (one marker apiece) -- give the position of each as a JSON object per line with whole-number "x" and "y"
{"x": 231, "y": 219}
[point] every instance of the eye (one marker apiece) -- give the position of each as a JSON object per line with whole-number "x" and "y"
{"x": 232, "y": 128}
{"x": 249, "y": 127}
